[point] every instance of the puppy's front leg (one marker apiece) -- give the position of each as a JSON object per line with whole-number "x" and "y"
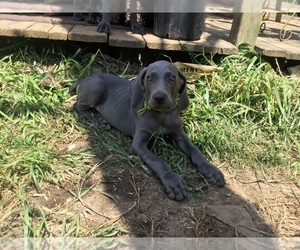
{"x": 209, "y": 171}
{"x": 173, "y": 183}
{"x": 104, "y": 25}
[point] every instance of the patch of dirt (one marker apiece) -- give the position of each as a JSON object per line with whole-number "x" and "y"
{"x": 122, "y": 199}
{"x": 52, "y": 197}
{"x": 128, "y": 197}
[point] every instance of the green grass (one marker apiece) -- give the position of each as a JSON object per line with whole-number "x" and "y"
{"x": 247, "y": 113}
{"x": 246, "y": 116}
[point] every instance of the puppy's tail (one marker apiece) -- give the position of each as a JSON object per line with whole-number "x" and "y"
{"x": 73, "y": 87}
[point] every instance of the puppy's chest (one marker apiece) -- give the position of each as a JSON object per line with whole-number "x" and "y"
{"x": 165, "y": 123}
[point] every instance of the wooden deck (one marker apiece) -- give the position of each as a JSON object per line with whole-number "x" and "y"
{"x": 268, "y": 42}
{"x": 213, "y": 40}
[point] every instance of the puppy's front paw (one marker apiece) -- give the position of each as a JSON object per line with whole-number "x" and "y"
{"x": 175, "y": 186}
{"x": 212, "y": 174}
{"x": 104, "y": 27}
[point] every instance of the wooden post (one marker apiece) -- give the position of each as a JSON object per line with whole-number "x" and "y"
{"x": 246, "y": 21}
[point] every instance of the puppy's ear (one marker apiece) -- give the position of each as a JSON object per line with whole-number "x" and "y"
{"x": 137, "y": 89}
{"x": 183, "y": 101}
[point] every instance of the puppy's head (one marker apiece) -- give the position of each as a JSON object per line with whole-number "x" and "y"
{"x": 163, "y": 87}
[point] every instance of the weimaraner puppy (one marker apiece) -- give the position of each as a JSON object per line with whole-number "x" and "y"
{"x": 151, "y": 102}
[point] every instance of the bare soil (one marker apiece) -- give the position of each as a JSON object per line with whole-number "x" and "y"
{"x": 128, "y": 197}
{"x": 120, "y": 197}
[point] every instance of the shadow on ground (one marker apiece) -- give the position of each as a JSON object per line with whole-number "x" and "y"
{"x": 125, "y": 195}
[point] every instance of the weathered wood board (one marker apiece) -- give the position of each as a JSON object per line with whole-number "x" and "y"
{"x": 267, "y": 49}
{"x": 158, "y": 43}
{"x": 126, "y": 39}
{"x": 60, "y": 32}
{"x": 84, "y": 33}
{"x": 10, "y": 28}
{"x": 206, "y": 44}
{"x": 38, "y": 30}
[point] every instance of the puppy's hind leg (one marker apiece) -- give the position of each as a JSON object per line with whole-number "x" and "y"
{"x": 91, "y": 93}
{"x": 90, "y": 114}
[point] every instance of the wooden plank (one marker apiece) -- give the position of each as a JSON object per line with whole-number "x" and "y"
{"x": 12, "y": 28}
{"x": 85, "y": 33}
{"x": 60, "y": 32}
{"x": 155, "y": 42}
{"x": 122, "y": 38}
{"x": 223, "y": 47}
{"x": 290, "y": 47}
{"x": 158, "y": 43}
{"x": 201, "y": 45}
{"x": 210, "y": 44}
{"x": 292, "y": 56}
{"x": 266, "y": 48}
{"x": 206, "y": 44}
{"x": 38, "y": 30}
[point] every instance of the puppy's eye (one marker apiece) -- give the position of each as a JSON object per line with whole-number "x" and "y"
{"x": 172, "y": 78}
{"x": 149, "y": 78}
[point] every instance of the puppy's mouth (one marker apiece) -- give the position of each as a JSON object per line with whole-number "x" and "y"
{"x": 160, "y": 109}
{"x": 163, "y": 107}
{"x": 147, "y": 106}
{"x": 161, "y": 102}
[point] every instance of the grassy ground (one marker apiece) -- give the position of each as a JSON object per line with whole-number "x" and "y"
{"x": 247, "y": 116}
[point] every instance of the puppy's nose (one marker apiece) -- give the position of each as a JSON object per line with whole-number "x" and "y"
{"x": 160, "y": 97}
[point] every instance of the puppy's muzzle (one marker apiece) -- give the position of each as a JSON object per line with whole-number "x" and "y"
{"x": 161, "y": 101}
{"x": 160, "y": 97}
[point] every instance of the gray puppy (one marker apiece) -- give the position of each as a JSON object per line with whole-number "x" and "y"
{"x": 152, "y": 102}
